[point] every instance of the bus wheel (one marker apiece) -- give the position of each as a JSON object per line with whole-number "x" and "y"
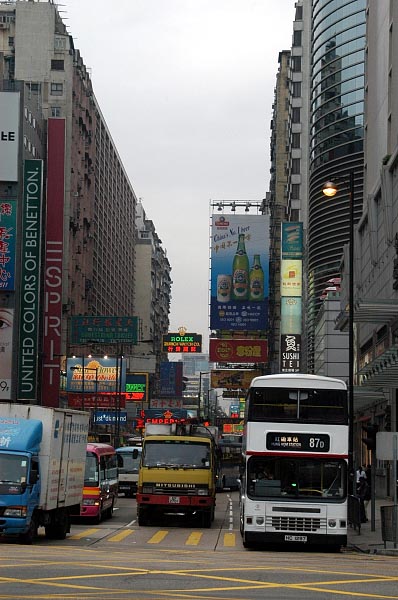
{"x": 246, "y": 543}
{"x": 109, "y": 511}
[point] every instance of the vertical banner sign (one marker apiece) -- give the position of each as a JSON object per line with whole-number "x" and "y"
{"x": 8, "y": 224}
{"x": 53, "y": 262}
{"x": 171, "y": 379}
{"x": 239, "y": 272}
{"x": 30, "y": 280}
{"x": 9, "y": 135}
{"x": 6, "y": 336}
{"x": 291, "y": 297}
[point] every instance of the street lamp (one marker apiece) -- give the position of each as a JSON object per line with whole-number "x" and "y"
{"x": 330, "y": 189}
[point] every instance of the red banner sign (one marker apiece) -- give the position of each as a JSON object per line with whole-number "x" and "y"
{"x": 238, "y": 351}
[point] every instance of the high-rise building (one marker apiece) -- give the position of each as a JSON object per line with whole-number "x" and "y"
{"x": 89, "y": 235}
{"x": 337, "y": 88}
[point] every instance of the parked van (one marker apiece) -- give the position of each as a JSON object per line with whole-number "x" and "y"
{"x": 100, "y": 482}
{"x": 128, "y": 467}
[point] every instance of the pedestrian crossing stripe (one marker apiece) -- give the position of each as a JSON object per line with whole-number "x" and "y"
{"x": 194, "y": 538}
{"x": 121, "y": 535}
{"x": 83, "y": 534}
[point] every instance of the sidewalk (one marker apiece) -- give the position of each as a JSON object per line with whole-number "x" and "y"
{"x": 368, "y": 541}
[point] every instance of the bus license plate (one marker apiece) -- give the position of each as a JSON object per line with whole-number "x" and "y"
{"x": 174, "y": 500}
{"x": 295, "y": 538}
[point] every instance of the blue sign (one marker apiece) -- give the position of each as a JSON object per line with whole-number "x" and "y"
{"x": 105, "y": 417}
{"x": 171, "y": 379}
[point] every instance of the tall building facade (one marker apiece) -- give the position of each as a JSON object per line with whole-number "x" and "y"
{"x": 88, "y": 240}
{"x": 338, "y": 40}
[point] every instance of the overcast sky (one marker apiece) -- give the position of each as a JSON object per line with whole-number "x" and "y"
{"x": 186, "y": 88}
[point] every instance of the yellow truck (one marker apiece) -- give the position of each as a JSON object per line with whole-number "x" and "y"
{"x": 177, "y": 473}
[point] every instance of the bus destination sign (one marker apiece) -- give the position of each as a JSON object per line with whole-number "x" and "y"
{"x": 299, "y": 442}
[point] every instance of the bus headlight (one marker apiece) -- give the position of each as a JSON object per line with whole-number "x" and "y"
{"x": 259, "y": 520}
{"x": 147, "y": 489}
{"x": 90, "y": 502}
{"x": 332, "y": 523}
{"x": 203, "y": 492}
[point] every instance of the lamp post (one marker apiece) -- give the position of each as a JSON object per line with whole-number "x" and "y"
{"x": 330, "y": 190}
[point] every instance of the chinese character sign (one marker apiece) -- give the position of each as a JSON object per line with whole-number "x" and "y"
{"x": 8, "y": 219}
{"x": 6, "y": 335}
{"x": 238, "y": 351}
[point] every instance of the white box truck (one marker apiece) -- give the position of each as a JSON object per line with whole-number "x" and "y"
{"x": 42, "y": 462}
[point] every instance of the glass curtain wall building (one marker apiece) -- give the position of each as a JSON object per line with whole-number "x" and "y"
{"x": 338, "y": 34}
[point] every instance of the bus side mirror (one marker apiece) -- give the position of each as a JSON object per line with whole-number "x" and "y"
{"x": 135, "y": 454}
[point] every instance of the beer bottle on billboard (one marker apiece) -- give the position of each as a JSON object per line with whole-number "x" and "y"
{"x": 240, "y": 271}
{"x": 256, "y": 279}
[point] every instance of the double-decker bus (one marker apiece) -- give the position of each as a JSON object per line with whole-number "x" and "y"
{"x": 295, "y": 448}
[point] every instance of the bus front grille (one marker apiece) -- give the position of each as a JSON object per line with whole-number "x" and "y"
{"x": 302, "y": 524}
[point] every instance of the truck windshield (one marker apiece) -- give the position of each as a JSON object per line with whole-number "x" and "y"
{"x": 176, "y": 453}
{"x": 13, "y": 469}
{"x": 91, "y": 475}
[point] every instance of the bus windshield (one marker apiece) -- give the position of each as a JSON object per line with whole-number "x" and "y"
{"x": 91, "y": 474}
{"x": 176, "y": 453}
{"x": 294, "y": 405}
{"x": 310, "y": 479}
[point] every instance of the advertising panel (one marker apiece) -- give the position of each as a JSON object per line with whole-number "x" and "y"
{"x": 291, "y": 314}
{"x": 239, "y": 286}
{"x": 238, "y": 351}
{"x": 9, "y": 135}
{"x": 53, "y": 257}
{"x": 290, "y": 353}
{"x": 291, "y": 277}
{"x": 104, "y": 329}
{"x": 189, "y": 342}
{"x": 171, "y": 379}
{"x": 137, "y": 386}
{"x": 106, "y": 417}
{"x": 292, "y": 240}
{"x": 166, "y": 403}
{"x": 30, "y": 280}
{"x": 165, "y": 417}
{"x": 98, "y": 375}
{"x": 233, "y": 379}
{"x": 85, "y": 401}
{"x": 6, "y": 335}
{"x": 8, "y": 225}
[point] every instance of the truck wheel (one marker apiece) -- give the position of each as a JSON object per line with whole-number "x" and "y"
{"x": 206, "y": 518}
{"x": 29, "y": 536}
{"x": 58, "y": 528}
{"x": 142, "y": 517}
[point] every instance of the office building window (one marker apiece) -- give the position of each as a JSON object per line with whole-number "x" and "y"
{"x": 55, "y": 111}
{"x": 57, "y": 89}
{"x": 57, "y": 65}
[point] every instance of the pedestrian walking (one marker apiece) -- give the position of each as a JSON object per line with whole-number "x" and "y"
{"x": 363, "y": 494}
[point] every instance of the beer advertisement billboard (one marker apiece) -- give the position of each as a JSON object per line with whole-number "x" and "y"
{"x": 239, "y": 283}
{"x": 238, "y": 351}
{"x": 171, "y": 379}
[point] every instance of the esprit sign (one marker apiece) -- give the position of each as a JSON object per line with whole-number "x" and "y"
{"x": 9, "y": 133}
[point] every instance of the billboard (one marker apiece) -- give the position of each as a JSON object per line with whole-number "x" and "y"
{"x": 171, "y": 379}
{"x": 233, "y": 379}
{"x": 30, "y": 280}
{"x": 106, "y": 329}
{"x": 9, "y": 135}
{"x": 238, "y": 351}
{"x": 98, "y": 375}
{"x": 53, "y": 258}
{"x": 291, "y": 297}
{"x": 137, "y": 386}
{"x": 8, "y": 224}
{"x": 239, "y": 283}
{"x": 6, "y": 335}
{"x": 189, "y": 342}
